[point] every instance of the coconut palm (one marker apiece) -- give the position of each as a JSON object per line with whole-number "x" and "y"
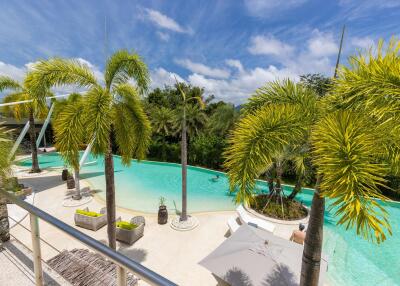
{"x": 29, "y": 109}
{"x": 348, "y": 154}
{"x": 222, "y": 119}
{"x": 188, "y": 119}
{"x": 113, "y": 110}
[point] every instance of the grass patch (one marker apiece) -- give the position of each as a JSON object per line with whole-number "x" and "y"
{"x": 292, "y": 210}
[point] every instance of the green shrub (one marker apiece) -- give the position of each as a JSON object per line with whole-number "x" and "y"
{"x": 126, "y": 225}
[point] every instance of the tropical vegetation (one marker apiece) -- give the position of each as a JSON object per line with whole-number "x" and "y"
{"x": 353, "y": 132}
{"x": 20, "y": 92}
{"x": 111, "y": 112}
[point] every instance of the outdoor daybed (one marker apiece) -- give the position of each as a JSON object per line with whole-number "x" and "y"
{"x": 91, "y": 220}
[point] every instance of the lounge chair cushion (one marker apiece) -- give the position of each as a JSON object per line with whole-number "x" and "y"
{"x": 126, "y": 225}
{"x": 88, "y": 213}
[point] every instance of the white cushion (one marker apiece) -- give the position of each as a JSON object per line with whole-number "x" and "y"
{"x": 253, "y": 221}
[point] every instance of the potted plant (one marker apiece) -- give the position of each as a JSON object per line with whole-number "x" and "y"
{"x": 70, "y": 182}
{"x": 64, "y": 174}
{"x": 162, "y": 212}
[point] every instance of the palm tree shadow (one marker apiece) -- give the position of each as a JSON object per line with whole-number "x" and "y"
{"x": 137, "y": 254}
{"x": 236, "y": 277}
{"x": 280, "y": 276}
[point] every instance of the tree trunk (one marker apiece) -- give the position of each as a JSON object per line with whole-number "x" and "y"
{"x": 77, "y": 195}
{"x": 184, "y": 167}
{"x": 4, "y": 223}
{"x": 110, "y": 196}
{"x": 279, "y": 172}
{"x": 311, "y": 261}
{"x": 270, "y": 184}
{"x": 297, "y": 188}
{"x": 32, "y": 135}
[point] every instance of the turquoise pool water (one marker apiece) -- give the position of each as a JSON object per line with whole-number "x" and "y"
{"x": 352, "y": 260}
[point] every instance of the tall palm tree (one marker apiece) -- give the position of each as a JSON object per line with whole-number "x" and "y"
{"x": 348, "y": 153}
{"x": 29, "y": 109}
{"x": 5, "y": 163}
{"x": 183, "y": 126}
{"x": 112, "y": 111}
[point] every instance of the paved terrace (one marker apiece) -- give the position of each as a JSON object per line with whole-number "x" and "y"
{"x": 172, "y": 254}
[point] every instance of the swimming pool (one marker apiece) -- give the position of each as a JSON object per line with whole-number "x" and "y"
{"x": 352, "y": 260}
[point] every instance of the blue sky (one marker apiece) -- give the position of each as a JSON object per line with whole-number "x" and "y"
{"x": 228, "y": 47}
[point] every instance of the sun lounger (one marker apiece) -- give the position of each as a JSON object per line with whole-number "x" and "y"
{"x": 253, "y": 221}
{"x": 129, "y": 236}
{"x": 233, "y": 224}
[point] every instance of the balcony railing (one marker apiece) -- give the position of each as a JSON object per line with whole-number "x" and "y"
{"x": 122, "y": 262}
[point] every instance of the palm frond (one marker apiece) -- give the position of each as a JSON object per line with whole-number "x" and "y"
{"x": 282, "y": 92}
{"x": 346, "y": 148}
{"x": 131, "y": 125}
{"x": 123, "y": 66}
{"x": 18, "y": 111}
{"x": 256, "y": 139}
{"x": 69, "y": 130}
{"x": 9, "y": 83}
{"x": 58, "y": 72}
{"x": 99, "y": 118}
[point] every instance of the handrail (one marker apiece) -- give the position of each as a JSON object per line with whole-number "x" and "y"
{"x": 118, "y": 258}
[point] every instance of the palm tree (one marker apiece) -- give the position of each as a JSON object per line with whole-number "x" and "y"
{"x": 69, "y": 127}
{"x": 348, "y": 153}
{"x": 188, "y": 119}
{"x": 162, "y": 119}
{"x": 29, "y": 109}
{"x": 113, "y": 111}
{"x": 5, "y": 163}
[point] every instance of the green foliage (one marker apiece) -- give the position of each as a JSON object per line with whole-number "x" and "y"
{"x": 319, "y": 83}
{"x": 353, "y": 132}
{"x": 115, "y": 108}
{"x": 346, "y": 149}
{"x": 222, "y": 119}
{"x": 256, "y": 139}
{"x": 206, "y": 150}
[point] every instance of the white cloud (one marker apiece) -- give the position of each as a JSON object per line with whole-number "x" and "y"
{"x": 16, "y": 73}
{"x": 269, "y": 45}
{"x": 165, "y": 22}
{"x": 235, "y": 63}
{"x": 163, "y": 36}
{"x": 203, "y": 69}
{"x": 96, "y": 71}
{"x": 322, "y": 44}
{"x": 160, "y": 77}
{"x": 363, "y": 42}
{"x": 268, "y": 8}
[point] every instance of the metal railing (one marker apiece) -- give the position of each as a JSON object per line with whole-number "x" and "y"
{"x": 122, "y": 262}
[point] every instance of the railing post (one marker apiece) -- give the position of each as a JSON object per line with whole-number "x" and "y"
{"x": 37, "y": 256}
{"x": 121, "y": 276}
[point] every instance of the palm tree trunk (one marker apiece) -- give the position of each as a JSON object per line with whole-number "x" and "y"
{"x": 311, "y": 261}
{"x": 77, "y": 195}
{"x": 184, "y": 168}
{"x": 297, "y": 188}
{"x": 110, "y": 196}
{"x": 4, "y": 223}
{"x": 279, "y": 172}
{"x": 32, "y": 135}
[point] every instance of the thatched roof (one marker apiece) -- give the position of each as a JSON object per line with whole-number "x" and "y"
{"x": 85, "y": 268}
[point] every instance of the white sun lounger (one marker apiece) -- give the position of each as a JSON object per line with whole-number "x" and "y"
{"x": 254, "y": 221}
{"x": 233, "y": 224}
